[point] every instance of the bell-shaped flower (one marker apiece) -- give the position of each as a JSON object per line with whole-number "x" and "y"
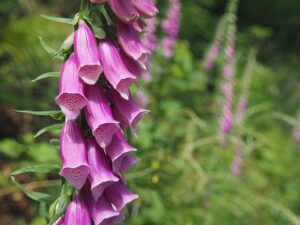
{"x": 114, "y": 68}
{"x": 73, "y": 153}
{"x": 146, "y": 8}
{"x": 101, "y": 210}
{"x": 119, "y": 195}
{"x": 124, "y": 10}
{"x": 130, "y": 42}
{"x": 122, "y": 164}
{"x": 77, "y": 213}
{"x": 71, "y": 98}
{"x": 117, "y": 150}
{"x": 128, "y": 112}
{"x": 98, "y": 116}
{"x": 133, "y": 66}
{"x": 101, "y": 175}
{"x": 86, "y": 51}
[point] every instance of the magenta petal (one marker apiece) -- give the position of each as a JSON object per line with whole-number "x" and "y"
{"x": 86, "y": 51}
{"x": 117, "y": 150}
{"x": 124, "y": 10}
{"x": 127, "y": 112}
{"x": 101, "y": 210}
{"x": 101, "y": 175}
{"x": 114, "y": 220}
{"x": 71, "y": 98}
{"x": 73, "y": 154}
{"x": 59, "y": 221}
{"x": 139, "y": 25}
{"x": 145, "y": 7}
{"x": 133, "y": 66}
{"x": 99, "y": 117}
{"x": 114, "y": 68}
{"x": 122, "y": 164}
{"x": 130, "y": 42}
{"x": 119, "y": 195}
{"x": 77, "y": 213}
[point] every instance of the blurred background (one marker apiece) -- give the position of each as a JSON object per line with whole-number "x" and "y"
{"x": 185, "y": 176}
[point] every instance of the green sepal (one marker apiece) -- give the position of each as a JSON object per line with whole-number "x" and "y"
{"x": 53, "y": 53}
{"x": 99, "y": 32}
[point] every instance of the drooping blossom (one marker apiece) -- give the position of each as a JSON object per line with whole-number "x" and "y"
{"x": 99, "y": 116}
{"x": 75, "y": 168}
{"x": 171, "y": 27}
{"x": 227, "y": 120}
{"x": 238, "y": 161}
{"x": 101, "y": 175}
{"x": 215, "y": 48}
{"x": 114, "y": 67}
{"x": 124, "y": 10}
{"x": 118, "y": 151}
{"x": 146, "y": 8}
{"x": 130, "y": 42}
{"x": 94, "y": 151}
{"x": 119, "y": 195}
{"x": 77, "y": 213}
{"x": 128, "y": 112}
{"x": 71, "y": 97}
{"x": 86, "y": 52}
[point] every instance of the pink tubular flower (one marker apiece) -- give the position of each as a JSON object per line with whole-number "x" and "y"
{"x": 117, "y": 150}
{"x": 127, "y": 112}
{"x": 130, "y": 42}
{"x": 212, "y": 56}
{"x": 115, "y": 69}
{"x": 119, "y": 195}
{"x": 101, "y": 210}
{"x": 86, "y": 51}
{"x": 171, "y": 27}
{"x": 101, "y": 176}
{"x": 139, "y": 25}
{"x": 71, "y": 98}
{"x": 99, "y": 117}
{"x": 77, "y": 213}
{"x": 145, "y": 7}
{"x": 124, "y": 163}
{"x": 133, "y": 66}
{"x": 73, "y": 154}
{"x": 124, "y": 10}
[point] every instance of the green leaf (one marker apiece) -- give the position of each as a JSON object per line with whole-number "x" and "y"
{"x": 58, "y": 19}
{"x": 36, "y": 196}
{"x": 46, "y": 75}
{"x": 39, "y": 113}
{"x": 53, "y": 53}
{"x": 41, "y": 168}
{"x": 49, "y": 128}
{"x": 58, "y": 208}
{"x": 99, "y": 32}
